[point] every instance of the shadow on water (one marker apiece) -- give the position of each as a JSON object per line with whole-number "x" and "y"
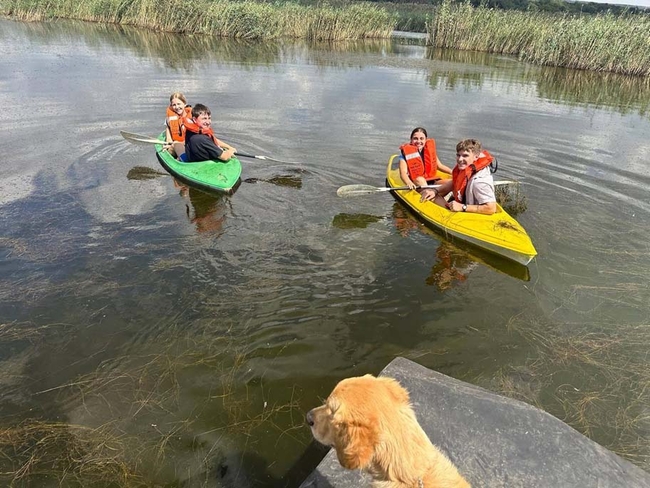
{"x": 143, "y": 173}
{"x": 354, "y": 221}
{"x": 286, "y": 181}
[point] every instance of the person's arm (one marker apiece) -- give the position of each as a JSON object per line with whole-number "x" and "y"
{"x": 228, "y": 151}
{"x": 482, "y": 192}
{"x": 437, "y": 194}
{"x": 485, "y": 208}
{"x": 225, "y": 145}
{"x": 442, "y": 167}
{"x": 168, "y": 135}
{"x": 404, "y": 174}
{"x": 226, "y": 154}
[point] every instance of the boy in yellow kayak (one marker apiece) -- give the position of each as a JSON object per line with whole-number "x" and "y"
{"x": 471, "y": 183}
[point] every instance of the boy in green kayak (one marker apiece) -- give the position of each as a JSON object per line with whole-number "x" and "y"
{"x": 471, "y": 182}
{"x": 200, "y": 142}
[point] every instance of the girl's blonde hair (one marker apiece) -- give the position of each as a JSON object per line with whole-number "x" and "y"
{"x": 178, "y": 95}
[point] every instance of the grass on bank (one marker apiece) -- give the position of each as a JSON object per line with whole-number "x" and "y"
{"x": 619, "y": 44}
{"x": 225, "y": 18}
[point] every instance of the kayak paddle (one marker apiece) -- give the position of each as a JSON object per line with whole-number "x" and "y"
{"x": 356, "y": 190}
{"x": 135, "y": 138}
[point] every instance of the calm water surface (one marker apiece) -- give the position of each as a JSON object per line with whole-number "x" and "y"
{"x": 160, "y": 336}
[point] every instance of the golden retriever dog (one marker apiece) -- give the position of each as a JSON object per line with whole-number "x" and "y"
{"x": 371, "y": 425}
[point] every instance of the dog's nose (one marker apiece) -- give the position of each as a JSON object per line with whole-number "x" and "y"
{"x": 310, "y": 418}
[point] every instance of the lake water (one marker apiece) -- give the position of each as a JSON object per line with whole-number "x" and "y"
{"x": 153, "y": 335}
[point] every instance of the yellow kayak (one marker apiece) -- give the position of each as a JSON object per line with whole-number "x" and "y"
{"x": 498, "y": 233}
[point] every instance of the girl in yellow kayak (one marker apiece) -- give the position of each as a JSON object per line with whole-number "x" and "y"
{"x": 419, "y": 163}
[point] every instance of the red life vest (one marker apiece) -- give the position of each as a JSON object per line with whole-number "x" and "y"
{"x": 193, "y": 127}
{"x": 176, "y": 123}
{"x": 461, "y": 177}
{"x": 415, "y": 163}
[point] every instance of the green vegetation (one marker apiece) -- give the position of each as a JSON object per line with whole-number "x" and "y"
{"x": 550, "y": 6}
{"x": 225, "y": 18}
{"x": 619, "y": 44}
{"x": 511, "y": 198}
{"x": 610, "y": 406}
{"x": 162, "y": 415}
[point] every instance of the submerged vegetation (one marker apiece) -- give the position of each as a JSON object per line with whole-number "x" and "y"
{"x": 619, "y": 44}
{"x": 609, "y": 401}
{"x": 225, "y": 18}
{"x": 168, "y": 410}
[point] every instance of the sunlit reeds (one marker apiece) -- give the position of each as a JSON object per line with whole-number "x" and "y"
{"x": 225, "y": 18}
{"x": 614, "y": 43}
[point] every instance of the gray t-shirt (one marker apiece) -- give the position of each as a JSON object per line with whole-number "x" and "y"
{"x": 480, "y": 188}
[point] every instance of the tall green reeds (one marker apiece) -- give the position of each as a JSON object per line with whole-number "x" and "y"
{"x": 226, "y": 18}
{"x": 619, "y": 44}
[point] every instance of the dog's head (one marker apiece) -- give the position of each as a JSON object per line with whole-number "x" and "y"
{"x": 353, "y": 415}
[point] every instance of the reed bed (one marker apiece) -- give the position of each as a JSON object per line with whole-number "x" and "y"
{"x": 612, "y": 43}
{"x": 225, "y": 18}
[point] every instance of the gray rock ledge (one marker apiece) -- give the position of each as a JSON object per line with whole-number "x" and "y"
{"x": 494, "y": 441}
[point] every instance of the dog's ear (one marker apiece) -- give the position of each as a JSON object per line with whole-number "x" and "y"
{"x": 397, "y": 392}
{"x": 355, "y": 444}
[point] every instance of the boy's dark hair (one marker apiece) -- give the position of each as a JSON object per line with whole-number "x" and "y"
{"x": 199, "y": 109}
{"x": 471, "y": 145}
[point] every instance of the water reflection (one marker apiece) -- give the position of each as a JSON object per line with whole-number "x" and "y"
{"x": 454, "y": 260}
{"x": 452, "y": 267}
{"x": 451, "y": 68}
{"x": 205, "y": 210}
{"x": 202, "y": 358}
{"x": 576, "y": 87}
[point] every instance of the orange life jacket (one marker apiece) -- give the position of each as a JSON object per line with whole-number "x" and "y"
{"x": 418, "y": 166}
{"x": 461, "y": 177}
{"x": 176, "y": 123}
{"x": 193, "y": 127}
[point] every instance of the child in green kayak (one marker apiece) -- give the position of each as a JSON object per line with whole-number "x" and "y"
{"x": 471, "y": 182}
{"x": 178, "y": 112}
{"x": 200, "y": 142}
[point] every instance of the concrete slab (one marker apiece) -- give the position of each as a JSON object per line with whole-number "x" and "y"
{"x": 494, "y": 441}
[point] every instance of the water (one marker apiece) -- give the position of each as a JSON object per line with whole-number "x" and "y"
{"x": 153, "y": 334}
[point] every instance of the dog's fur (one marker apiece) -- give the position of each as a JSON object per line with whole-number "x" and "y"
{"x": 371, "y": 425}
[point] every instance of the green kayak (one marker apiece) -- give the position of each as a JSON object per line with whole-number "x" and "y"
{"x": 217, "y": 176}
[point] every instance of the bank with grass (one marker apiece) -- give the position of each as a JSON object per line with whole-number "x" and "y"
{"x": 226, "y": 18}
{"x": 604, "y": 42}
